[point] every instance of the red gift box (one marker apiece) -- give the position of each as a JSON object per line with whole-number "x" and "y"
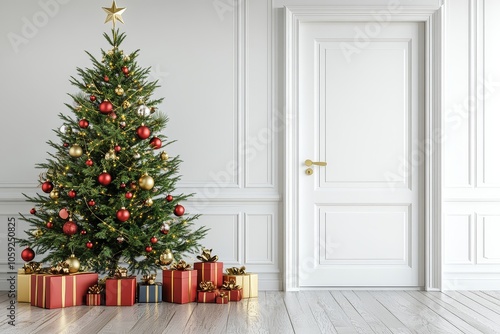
{"x": 57, "y": 291}
{"x": 222, "y": 299}
{"x": 179, "y": 286}
{"x": 120, "y": 291}
{"x": 93, "y": 299}
{"x": 209, "y": 271}
{"x": 234, "y": 295}
{"x": 207, "y": 296}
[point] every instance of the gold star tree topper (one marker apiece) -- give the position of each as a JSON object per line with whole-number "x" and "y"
{"x": 114, "y": 14}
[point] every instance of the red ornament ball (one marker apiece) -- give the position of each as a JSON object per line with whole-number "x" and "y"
{"x": 83, "y": 232}
{"x": 155, "y": 142}
{"x": 47, "y": 187}
{"x": 106, "y": 78}
{"x": 129, "y": 195}
{"x": 112, "y": 115}
{"x": 63, "y": 213}
{"x": 89, "y": 162}
{"x": 165, "y": 228}
{"x": 143, "y": 132}
{"x": 70, "y": 227}
{"x": 169, "y": 198}
{"x": 117, "y": 148}
{"x": 122, "y": 215}
{"x": 91, "y": 202}
{"x": 105, "y": 178}
{"x": 49, "y": 224}
{"x": 125, "y": 70}
{"x": 106, "y": 107}
{"x": 72, "y": 193}
{"x": 149, "y": 249}
{"x": 66, "y": 145}
{"x": 92, "y": 98}
{"x": 153, "y": 240}
{"x": 33, "y": 211}
{"x": 28, "y": 254}
{"x": 83, "y": 123}
{"x": 178, "y": 210}
{"x": 89, "y": 244}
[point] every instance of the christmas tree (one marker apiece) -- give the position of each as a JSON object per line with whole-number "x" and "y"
{"x": 107, "y": 187}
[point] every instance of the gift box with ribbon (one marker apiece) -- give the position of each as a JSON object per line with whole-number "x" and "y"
{"x": 120, "y": 289}
{"x": 24, "y": 281}
{"x": 207, "y": 292}
{"x": 223, "y": 298}
{"x": 209, "y": 269}
{"x": 94, "y": 295}
{"x": 58, "y": 288}
{"x": 179, "y": 283}
{"x": 233, "y": 291}
{"x": 148, "y": 291}
{"x": 247, "y": 281}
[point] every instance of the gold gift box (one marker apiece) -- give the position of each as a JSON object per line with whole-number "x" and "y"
{"x": 23, "y": 287}
{"x": 248, "y": 282}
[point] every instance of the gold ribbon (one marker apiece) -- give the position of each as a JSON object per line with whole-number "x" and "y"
{"x": 181, "y": 265}
{"x": 231, "y": 285}
{"x": 32, "y": 267}
{"x": 61, "y": 268}
{"x": 149, "y": 279}
{"x": 156, "y": 285}
{"x": 236, "y": 271}
{"x": 206, "y": 256}
{"x": 120, "y": 272}
{"x": 95, "y": 289}
{"x": 207, "y": 286}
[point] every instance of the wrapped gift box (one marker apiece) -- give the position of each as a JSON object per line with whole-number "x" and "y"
{"x": 56, "y": 291}
{"x": 179, "y": 286}
{"x": 120, "y": 291}
{"x": 207, "y": 296}
{"x": 93, "y": 299}
{"x": 23, "y": 287}
{"x": 149, "y": 293}
{"x": 222, "y": 298}
{"x": 249, "y": 284}
{"x": 234, "y": 295}
{"x": 209, "y": 271}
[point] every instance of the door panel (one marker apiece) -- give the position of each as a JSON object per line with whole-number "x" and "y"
{"x": 360, "y": 218}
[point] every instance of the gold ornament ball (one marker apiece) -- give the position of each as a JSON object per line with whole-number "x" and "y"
{"x": 75, "y": 151}
{"x": 126, "y": 104}
{"x": 54, "y": 194}
{"x": 149, "y": 202}
{"x": 119, "y": 90}
{"x": 164, "y": 155}
{"x": 146, "y": 182}
{"x": 73, "y": 263}
{"x": 167, "y": 257}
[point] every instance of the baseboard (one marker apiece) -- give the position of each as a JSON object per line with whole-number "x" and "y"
{"x": 471, "y": 281}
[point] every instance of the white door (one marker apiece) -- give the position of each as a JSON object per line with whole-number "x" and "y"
{"x": 361, "y": 110}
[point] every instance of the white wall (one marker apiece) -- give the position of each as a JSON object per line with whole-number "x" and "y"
{"x": 220, "y": 63}
{"x": 471, "y": 208}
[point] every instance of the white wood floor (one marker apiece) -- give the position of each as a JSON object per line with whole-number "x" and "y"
{"x": 277, "y": 312}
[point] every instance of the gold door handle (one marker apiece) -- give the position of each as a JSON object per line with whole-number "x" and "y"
{"x": 317, "y": 163}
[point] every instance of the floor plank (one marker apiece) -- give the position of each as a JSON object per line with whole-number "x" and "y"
{"x": 335, "y": 311}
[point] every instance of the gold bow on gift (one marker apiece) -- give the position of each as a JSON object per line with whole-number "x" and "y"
{"x": 206, "y": 256}
{"x": 60, "y": 269}
{"x": 149, "y": 279}
{"x": 32, "y": 267}
{"x": 231, "y": 285}
{"x": 223, "y": 295}
{"x": 207, "y": 286}
{"x": 181, "y": 265}
{"x": 236, "y": 271}
{"x": 120, "y": 272}
{"x": 95, "y": 289}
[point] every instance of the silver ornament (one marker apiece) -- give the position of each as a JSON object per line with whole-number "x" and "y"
{"x": 143, "y": 111}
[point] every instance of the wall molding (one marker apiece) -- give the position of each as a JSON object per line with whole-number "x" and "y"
{"x": 432, "y": 17}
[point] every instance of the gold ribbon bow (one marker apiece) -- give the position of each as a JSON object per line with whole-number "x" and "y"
{"x": 206, "y": 256}
{"x": 61, "y": 268}
{"x": 95, "y": 289}
{"x": 223, "y": 295}
{"x": 32, "y": 267}
{"x": 149, "y": 279}
{"x": 236, "y": 271}
{"x": 181, "y": 265}
{"x": 231, "y": 285}
{"x": 120, "y": 272}
{"x": 207, "y": 286}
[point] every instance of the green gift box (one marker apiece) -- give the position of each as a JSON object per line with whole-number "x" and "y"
{"x": 149, "y": 293}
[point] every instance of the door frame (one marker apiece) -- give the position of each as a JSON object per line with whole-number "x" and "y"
{"x": 433, "y": 18}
